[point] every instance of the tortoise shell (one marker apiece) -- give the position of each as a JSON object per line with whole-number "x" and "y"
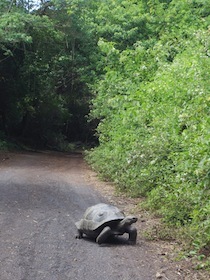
{"x": 98, "y": 215}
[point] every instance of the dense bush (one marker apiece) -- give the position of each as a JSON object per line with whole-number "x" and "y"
{"x": 153, "y": 104}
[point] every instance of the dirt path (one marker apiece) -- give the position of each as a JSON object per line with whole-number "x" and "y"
{"x": 41, "y": 197}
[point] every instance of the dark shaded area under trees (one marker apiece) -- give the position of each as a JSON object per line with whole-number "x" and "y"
{"x": 45, "y": 65}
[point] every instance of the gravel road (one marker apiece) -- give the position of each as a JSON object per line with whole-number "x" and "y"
{"x": 42, "y": 195}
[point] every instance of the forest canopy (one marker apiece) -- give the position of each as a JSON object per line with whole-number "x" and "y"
{"x": 45, "y": 60}
{"x": 134, "y": 75}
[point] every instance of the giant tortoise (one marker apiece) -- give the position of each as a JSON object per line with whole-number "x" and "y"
{"x": 103, "y": 220}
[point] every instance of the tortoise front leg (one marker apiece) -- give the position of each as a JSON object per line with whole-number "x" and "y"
{"x": 79, "y": 234}
{"x": 132, "y": 235}
{"x": 105, "y": 233}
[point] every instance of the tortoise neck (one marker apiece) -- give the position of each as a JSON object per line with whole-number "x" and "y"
{"x": 123, "y": 223}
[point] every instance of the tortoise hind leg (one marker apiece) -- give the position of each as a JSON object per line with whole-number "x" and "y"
{"x": 105, "y": 233}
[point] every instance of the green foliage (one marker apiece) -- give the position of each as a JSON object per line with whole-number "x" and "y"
{"x": 29, "y": 53}
{"x": 12, "y": 28}
{"x": 3, "y": 145}
{"x": 153, "y": 108}
{"x": 45, "y": 61}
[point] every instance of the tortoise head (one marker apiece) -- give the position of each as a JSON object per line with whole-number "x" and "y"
{"x": 127, "y": 221}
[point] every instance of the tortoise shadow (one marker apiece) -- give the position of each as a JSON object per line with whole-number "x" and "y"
{"x": 111, "y": 241}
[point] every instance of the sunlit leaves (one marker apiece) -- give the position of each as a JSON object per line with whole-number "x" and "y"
{"x": 153, "y": 103}
{"x": 12, "y": 28}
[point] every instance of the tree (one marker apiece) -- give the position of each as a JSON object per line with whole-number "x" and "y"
{"x": 45, "y": 64}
